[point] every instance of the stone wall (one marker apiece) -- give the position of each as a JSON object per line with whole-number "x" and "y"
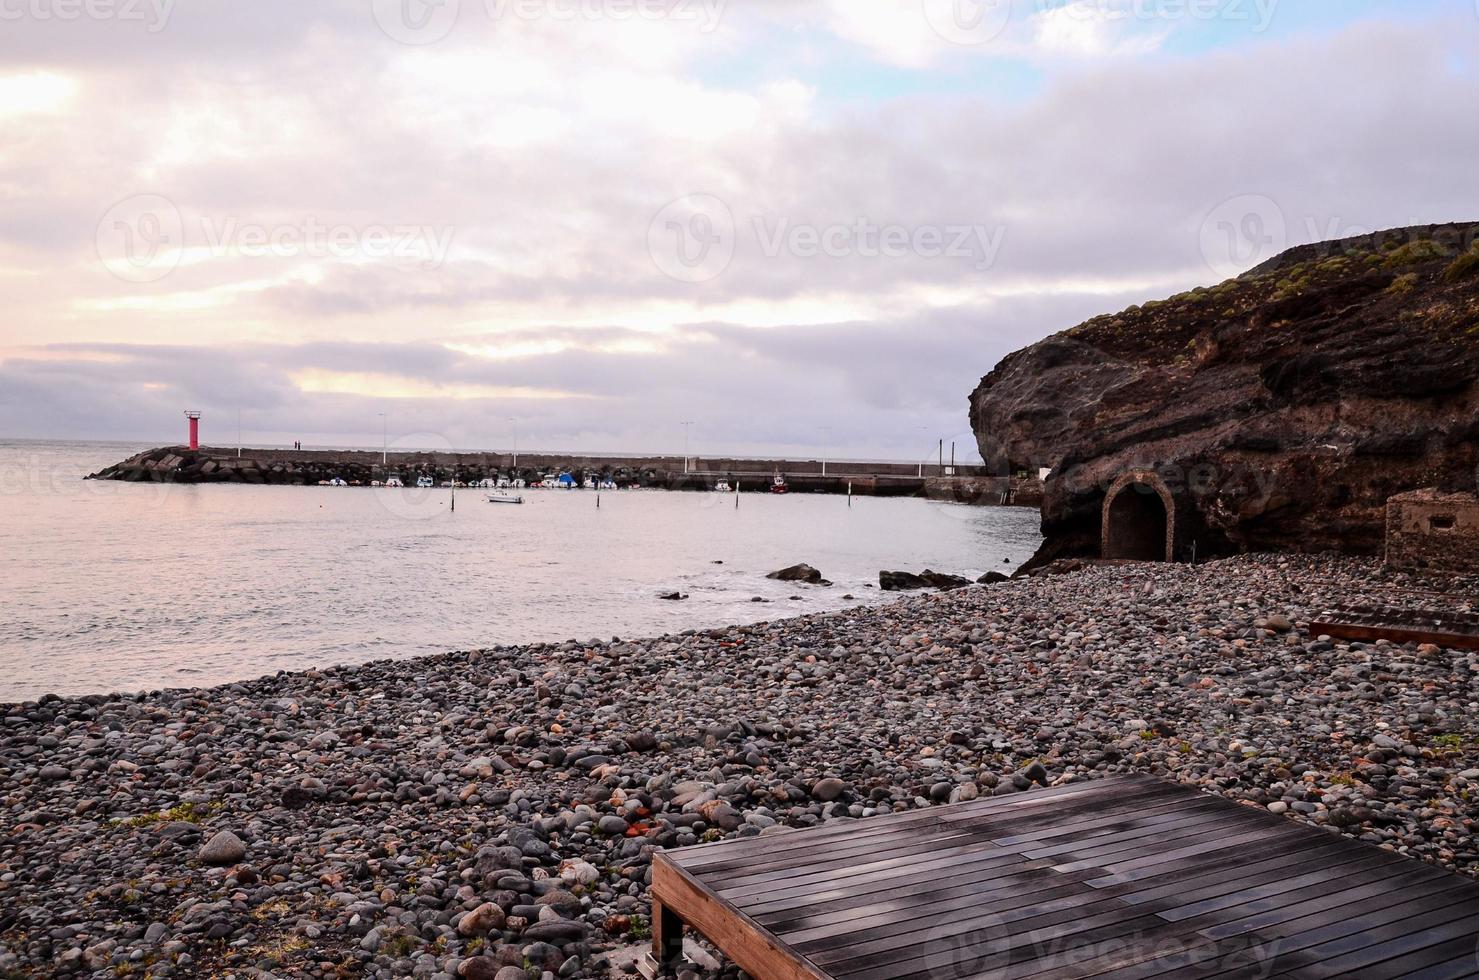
{"x": 1429, "y": 529}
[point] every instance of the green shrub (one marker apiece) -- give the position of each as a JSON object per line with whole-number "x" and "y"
{"x": 1403, "y": 285}
{"x": 1413, "y": 253}
{"x": 1464, "y": 267}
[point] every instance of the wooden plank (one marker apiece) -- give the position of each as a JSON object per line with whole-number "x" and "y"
{"x": 923, "y": 918}
{"x": 704, "y": 856}
{"x": 1329, "y": 876}
{"x": 1102, "y": 843}
{"x": 891, "y": 849}
{"x": 1373, "y": 946}
{"x": 981, "y": 867}
{"x": 1094, "y": 853}
{"x": 1229, "y": 874}
{"x": 1175, "y": 964}
{"x": 989, "y": 949}
{"x": 873, "y": 870}
{"x": 1092, "y": 797}
{"x": 1131, "y": 879}
{"x": 1151, "y": 854}
{"x": 1397, "y": 634}
{"x": 667, "y": 935}
{"x": 1147, "y": 859}
{"x": 1114, "y": 819}
{"x": 1352, "y": 898}
{"x": 1048, "y": 895}
{"x": 742, "y": 939}
{"x": 1460, "y": 967}
{"x": 1411, "y": 964}
{"x": 936, "y": 819}
{"x": 1188, "y": 832}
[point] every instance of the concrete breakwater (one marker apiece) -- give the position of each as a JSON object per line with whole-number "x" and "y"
{"x": 286, "y": 467}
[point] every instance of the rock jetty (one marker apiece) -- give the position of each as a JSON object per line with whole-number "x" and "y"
{"x": 276, "y": 467}
{"x": 1276, "y": 411}
{"x": 360, "y": 468}
{"x": 493, "y": 814}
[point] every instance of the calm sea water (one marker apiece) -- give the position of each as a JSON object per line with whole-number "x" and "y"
{"x": 125, "y": 587}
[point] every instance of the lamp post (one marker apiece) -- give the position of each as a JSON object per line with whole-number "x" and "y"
{"x": 384, "y": 440}
{"x": 686, "y": 430}
{"x": 513, "y": 421}
{"x": 922, "y": 428}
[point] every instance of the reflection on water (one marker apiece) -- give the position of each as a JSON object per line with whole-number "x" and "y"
{"x": 111, "y": 586}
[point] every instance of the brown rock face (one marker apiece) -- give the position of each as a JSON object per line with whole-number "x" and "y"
{"x": 1277, "y": 411}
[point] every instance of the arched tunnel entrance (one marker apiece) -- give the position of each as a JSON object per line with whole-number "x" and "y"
{"x": 1139, "y": 519}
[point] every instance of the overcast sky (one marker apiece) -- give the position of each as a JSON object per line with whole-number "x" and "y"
{"x": 805, "y": 226}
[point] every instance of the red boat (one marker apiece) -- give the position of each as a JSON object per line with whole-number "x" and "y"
{"x": 778, "y": 485}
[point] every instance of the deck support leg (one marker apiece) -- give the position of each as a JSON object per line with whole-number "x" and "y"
{"x": 667, "y": 937}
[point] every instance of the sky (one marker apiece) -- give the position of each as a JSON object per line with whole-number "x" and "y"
{"x": 807, "y": 227}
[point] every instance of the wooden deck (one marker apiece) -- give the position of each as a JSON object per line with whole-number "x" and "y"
{"x": 1125, "y": 878}
{"x": 1455, "y": 629}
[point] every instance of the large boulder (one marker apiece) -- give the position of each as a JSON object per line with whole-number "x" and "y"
{"x": 901, "y": 582}
{"x": 798, "y": 573}
{"x": 224, "y": 848}
{"x": 1276, "y": 411}
{"x": 941, "y": 580}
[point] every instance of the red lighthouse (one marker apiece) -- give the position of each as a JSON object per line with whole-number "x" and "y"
{"x": 194, "y": 418}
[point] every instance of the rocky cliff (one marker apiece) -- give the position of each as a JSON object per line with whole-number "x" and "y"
{"x": 1276, "y": 411}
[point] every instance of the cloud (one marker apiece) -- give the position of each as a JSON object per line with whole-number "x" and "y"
{"x": 1095, "y": 28}
{"x": 542, "y": 151}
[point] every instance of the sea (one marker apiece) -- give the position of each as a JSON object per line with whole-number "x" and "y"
{"x": 108, "y": 587}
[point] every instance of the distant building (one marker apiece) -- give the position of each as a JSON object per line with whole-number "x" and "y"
{"x": 1429, "y": 529}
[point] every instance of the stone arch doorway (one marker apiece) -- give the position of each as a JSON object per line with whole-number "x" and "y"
{"x": 1139, "y": 519}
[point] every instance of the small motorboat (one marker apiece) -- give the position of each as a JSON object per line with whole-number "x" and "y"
{"x": 505, "y": 498}
{"x": 778, "y": 485}
{"x": 425, "y": 483}
{"x": 722, "y": 486}
{"x": 394, "y": 481}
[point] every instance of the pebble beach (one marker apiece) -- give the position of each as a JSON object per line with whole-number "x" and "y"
{"x": 493, "y": 813}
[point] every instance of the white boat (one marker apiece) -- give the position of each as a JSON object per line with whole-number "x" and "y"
{"x": 589, "y": 484}
{"x": 394, "y": 481}
{"x": 520, "y": 483}
{"x": 504, "y": 498}
{"x": 487, "y": 484}
{"x": 722, "y": 486}
{"x": 607, "y": 485}
{"x": 425, "y": 482}
{"x": 338, "y": 482}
